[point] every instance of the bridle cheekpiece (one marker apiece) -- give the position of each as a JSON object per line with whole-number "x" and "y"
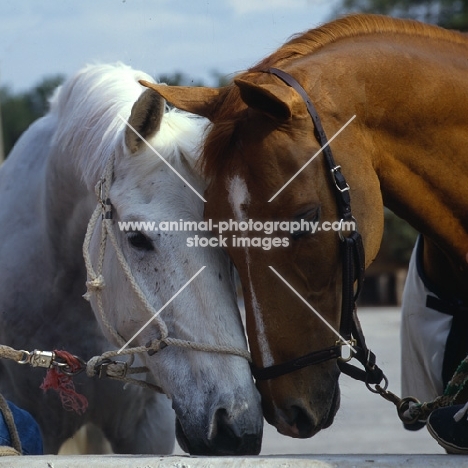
{"x": 353, "y": 264}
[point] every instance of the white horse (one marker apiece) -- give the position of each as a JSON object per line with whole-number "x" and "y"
{"x": 47, "y": 192}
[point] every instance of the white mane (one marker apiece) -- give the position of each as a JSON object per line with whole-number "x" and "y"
{"x": 87, "y": 107}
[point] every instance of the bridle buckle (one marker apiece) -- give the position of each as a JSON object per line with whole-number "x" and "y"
{"x": 350, "y": 344}
{"x": 335, "y": 171}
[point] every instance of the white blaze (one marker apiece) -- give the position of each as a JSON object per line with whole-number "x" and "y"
{"x": 239, "y": 197}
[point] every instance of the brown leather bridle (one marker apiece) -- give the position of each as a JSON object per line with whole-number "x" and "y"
{"x": 353, "y": 264}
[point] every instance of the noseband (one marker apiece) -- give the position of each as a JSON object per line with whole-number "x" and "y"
{"x": 353, "y": 265}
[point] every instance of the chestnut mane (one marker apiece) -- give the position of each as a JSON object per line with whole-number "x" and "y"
{"x": 231, "y": 108}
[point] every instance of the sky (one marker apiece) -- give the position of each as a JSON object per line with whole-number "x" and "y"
{"x": 40, "y": 38}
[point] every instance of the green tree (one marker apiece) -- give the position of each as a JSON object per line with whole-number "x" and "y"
{"x": 38, "y": 97}
{"x": 19, "y": 111}
{"x": 16, "y": 117}
{"x": 451, "y": 14}
{"x": 397, "y": 241}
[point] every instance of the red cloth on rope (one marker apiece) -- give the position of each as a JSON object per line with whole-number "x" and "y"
{"x": 63, "y": 384}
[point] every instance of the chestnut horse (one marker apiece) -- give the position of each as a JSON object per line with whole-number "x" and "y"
{"x": 406, "y": 83}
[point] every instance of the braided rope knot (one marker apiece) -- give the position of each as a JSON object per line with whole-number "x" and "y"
{"x": 92, "y": 366}
{"x": 96, "y": 284}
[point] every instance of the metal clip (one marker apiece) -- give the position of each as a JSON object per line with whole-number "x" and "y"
{"x": 107, "y": 209}
{"x": 65, "y": 368}
{"x": 382, "y": 390}
{"x": 25, "y": 357}
{"x": 350, "y": 345}
{"x": 106, "y": 205}
{"x": 404, "y": 410}
{"x": 100, "y": 192}
{"x": 103, "y": 369}
{"x": 41, "y": 358}
{"x": 118, "y": 370}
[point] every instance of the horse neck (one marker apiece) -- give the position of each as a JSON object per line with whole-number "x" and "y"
{"x": 417, "y": 136}
{"x": 429, "y": 188}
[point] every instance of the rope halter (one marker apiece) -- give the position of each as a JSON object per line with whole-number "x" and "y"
{"x": 96, "y": 282}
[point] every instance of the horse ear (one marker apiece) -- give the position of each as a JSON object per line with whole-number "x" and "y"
{"x": 271, "y": 99}
{"x": 195, "y": 99}
{"x": 145, "y": 118}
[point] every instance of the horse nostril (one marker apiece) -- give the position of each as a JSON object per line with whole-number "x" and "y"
{"x": 227, "y": 438}
{"x": 222, "y": 434}
{"x": 303, "y": 421}
{"x": 296, "y": 422}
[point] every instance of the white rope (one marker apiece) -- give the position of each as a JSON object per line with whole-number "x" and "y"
{"x": 96, "y": 283}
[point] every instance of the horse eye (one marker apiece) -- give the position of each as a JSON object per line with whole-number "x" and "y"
{"x": 311, "y": 216}
{"x": 139, "y": 241}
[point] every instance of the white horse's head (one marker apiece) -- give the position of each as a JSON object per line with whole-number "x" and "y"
{"x": 217, "y": 407}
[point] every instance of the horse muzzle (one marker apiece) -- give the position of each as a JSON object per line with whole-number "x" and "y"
{"x": 300, "y": 422}
{"x": 225, "y": 437}
{"x": 301, "y": 411}
{"x": 230, "y": 425}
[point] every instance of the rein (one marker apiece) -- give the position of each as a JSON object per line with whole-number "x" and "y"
{"x": 353, "y": 265}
